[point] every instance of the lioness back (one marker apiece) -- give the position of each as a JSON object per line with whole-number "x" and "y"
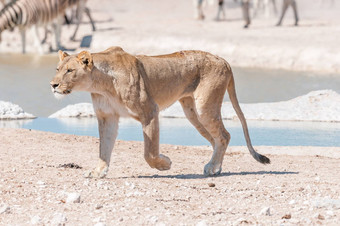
{"x": 184, "y": 70}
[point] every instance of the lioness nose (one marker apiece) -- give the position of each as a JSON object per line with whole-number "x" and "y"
{"x": 54, "y": 85}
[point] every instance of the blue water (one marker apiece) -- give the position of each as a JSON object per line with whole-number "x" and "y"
{"x": 24, "y": 80}
{"x": 181, "y": 132}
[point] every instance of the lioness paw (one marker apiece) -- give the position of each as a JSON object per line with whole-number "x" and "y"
{"x": 163, "y": 163}
{"x": 95, "y": 173}
{"x": 212, "y": 170}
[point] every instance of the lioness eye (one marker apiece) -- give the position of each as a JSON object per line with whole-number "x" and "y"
{"x": 69, "y": 70}
{"x": 57, "y": 69}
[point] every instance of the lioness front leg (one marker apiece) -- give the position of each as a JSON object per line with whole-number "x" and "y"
{"x": 151, "y": 145}
{"x": 108, "y": 130}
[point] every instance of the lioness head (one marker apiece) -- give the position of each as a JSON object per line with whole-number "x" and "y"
{"x": 73, "y": 73}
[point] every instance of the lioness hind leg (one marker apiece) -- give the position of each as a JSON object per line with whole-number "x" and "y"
{"x": 221, "y": 138}
{"x": 190, "y": 112}
{"x": 210, "y": 117}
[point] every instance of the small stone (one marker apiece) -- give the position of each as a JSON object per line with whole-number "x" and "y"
{"x": 287, "y": 216}
{"x": 292, "y": 202}
{"x": 330, "y": 213}
{"x": 211, "y": 185}
{"x": 241, "y": 221}
{"x": 86, "y": 182}
{"x": 202, "y": 223}
{"x": 100, "y": 224}
{"x": 176, "y": 148}
{"x": 73, "y": 198}
{"x": 98, "y": 206}
{"x": 265, "y": 211}
{"x": 4, "y": 209}
{"x": 153, "y": 219}
{"x": 35, "y": 220}
{"x": 320, "y": 217}
{"x": 58, "y": 219}
{"x": 41, "y": 184}
{"x": 97, "y": 220}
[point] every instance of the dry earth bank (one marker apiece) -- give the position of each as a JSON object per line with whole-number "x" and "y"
{"x": 36, "y": 188}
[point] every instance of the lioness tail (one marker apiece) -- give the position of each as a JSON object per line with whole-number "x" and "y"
{"x": 233, "y": 98}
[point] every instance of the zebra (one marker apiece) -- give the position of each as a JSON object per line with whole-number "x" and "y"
{"x": 286, "y": 4}
{"x": 220, "y": 10}
{"x": 26, "y": 13}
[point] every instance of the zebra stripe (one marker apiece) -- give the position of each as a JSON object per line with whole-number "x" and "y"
{"x": 26, "y": 13}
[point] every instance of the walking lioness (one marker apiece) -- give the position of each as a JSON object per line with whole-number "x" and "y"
{"x": 123, "y": 85}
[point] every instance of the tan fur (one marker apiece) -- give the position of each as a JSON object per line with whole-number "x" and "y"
{"x": 123, "y": 85}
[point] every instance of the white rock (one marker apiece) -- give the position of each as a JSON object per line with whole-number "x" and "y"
{"x": 13, "y": 111}
{"x": 76, "y": 110}
{"x": 330, "y": 213}
{"x": 153, "y": 219}
{"x": 100, "y": 224}
{"x": 40, "y": 182}
{"x": 202, "y": 223}
{"x": 321, "y": 105}
{"x": 327, "y": 203}
{"x": 292, "y": 202}
{"x": 4, "y": 208}
{"x": 73, "y": 198}
{"x": 265, "y": 211}
{"x": 58, "y": 219}
{"x": 35, "y": 220}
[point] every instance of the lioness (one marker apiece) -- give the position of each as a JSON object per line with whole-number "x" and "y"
{"x": 123, "y": 85}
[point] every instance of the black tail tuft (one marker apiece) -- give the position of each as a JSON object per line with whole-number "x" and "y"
{"x": 263, "y": 159}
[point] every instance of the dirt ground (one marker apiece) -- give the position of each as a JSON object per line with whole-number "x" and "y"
{"x": 41, "y": 182}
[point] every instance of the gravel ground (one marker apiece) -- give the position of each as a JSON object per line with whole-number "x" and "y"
{"x": 41, "y": 183}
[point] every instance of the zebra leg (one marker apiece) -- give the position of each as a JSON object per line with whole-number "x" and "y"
{"x": 87, "y": 11}
{"x": 274, "y": 7}
{"x": 295, "y": 12}
{"x": 256, "y": 4}
{"x": 57, "y": 31}
{"x": 284, "y": 9}
{"x": 45, "y": 35}
{"x": 23, "y": 39}
{"x": 37, "y": 41}
{"x": 245, "y": 10}
{"x": 79, "y": 14}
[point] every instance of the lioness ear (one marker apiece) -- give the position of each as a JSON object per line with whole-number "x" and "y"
{"x": 85, "y": 58}
{"x": 62, "y": 55}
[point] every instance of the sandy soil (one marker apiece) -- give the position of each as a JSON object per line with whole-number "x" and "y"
{"x": 300, "y": 187}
